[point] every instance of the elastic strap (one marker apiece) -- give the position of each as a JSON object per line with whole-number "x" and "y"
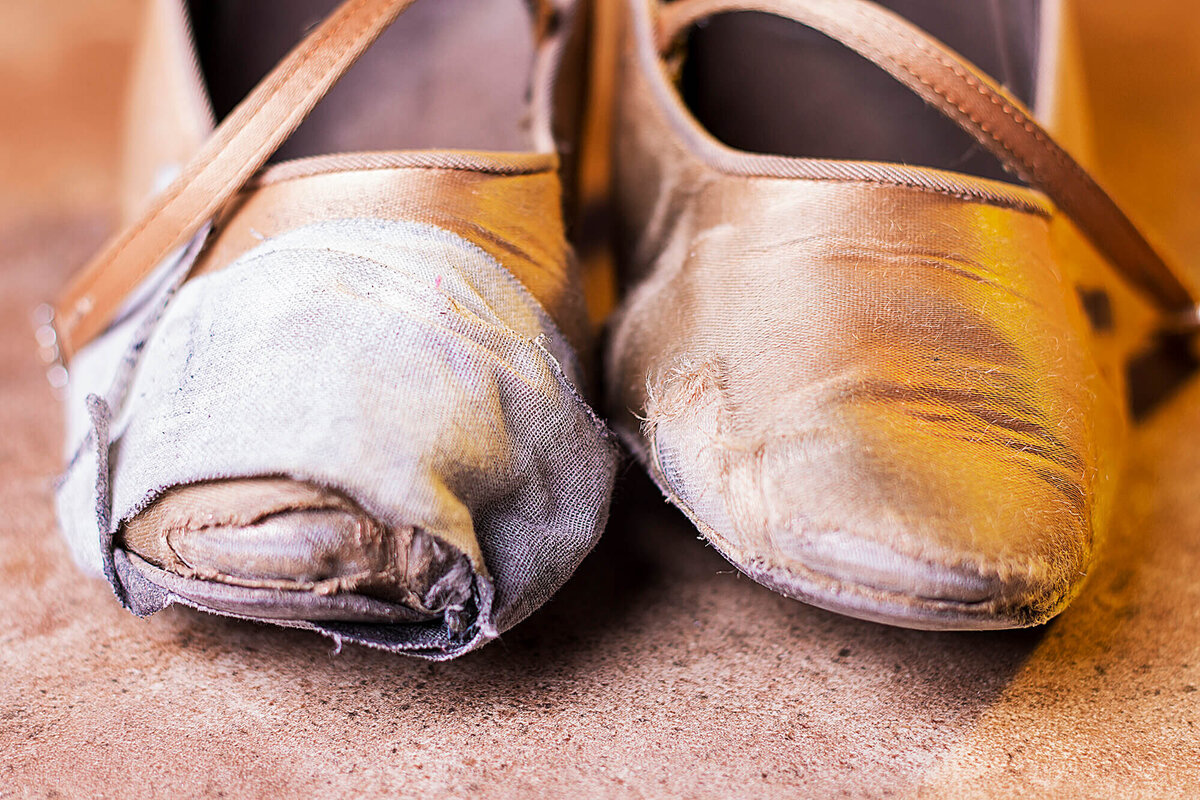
{"x": 237, "y": 149}
{"x": 984, "y": 109}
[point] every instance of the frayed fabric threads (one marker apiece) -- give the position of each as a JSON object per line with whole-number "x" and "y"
{"x": 393, "y": 361}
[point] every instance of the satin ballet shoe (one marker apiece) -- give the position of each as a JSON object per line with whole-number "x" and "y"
{"x": 321, "y": 381}
{"x": 863, "y": 344}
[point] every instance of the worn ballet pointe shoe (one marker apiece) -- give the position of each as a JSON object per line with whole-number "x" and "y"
{"x": 340, "y": 391}
{"x": 888, "y": 390}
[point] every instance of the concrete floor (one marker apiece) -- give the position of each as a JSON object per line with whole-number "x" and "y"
{"x": 658, "y": 671}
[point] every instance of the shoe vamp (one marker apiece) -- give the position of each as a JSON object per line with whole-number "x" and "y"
{"x": 915, "y": 376}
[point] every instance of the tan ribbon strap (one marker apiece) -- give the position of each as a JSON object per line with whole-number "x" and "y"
{"x": 236, "y": 150}
{"x": 981, "y": 107}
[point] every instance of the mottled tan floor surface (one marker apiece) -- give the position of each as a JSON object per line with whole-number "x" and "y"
{"x": 658, "y": 671}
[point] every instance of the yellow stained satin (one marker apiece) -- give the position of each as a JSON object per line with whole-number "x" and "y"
{"x": 881, "y": 399}
{"x": 884, "y": 372}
